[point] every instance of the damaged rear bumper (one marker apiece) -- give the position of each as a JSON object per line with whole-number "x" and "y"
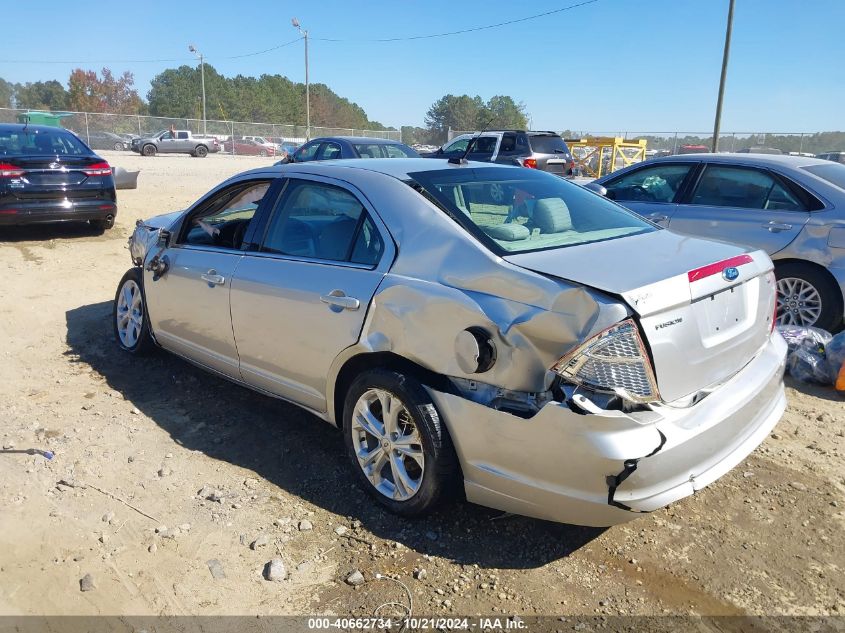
{"x": 602, "y": 469}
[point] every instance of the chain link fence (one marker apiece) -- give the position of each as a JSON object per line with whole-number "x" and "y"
{"x": 115, "y": 131}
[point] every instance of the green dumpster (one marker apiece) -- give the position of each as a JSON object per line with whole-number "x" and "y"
{"x": 43, "y": 118}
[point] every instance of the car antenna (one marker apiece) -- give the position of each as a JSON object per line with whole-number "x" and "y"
{"x": 463, "y": 159}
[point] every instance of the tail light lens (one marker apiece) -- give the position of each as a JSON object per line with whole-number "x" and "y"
{"x": 98, "y": 169}
{"x": 613, "y": 361}
{"x": 531, "y": 163}
{"x": 774, "y": 283}
{"x": 10, "y": 171}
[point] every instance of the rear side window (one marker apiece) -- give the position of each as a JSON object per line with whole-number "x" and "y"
{"x": 548, "y": 144}
{"x": 659, "y": 183}
{"x": 42, "y": 142}
{"x": 724, "y": 186}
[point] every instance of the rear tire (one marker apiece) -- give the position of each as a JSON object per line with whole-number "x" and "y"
{"x": 148, "y": 150}
{"x": 414, "y": 449}
{"x": 805, "y": 292}
{"x": 201, "y": 151}
{"x": 129, "y": 315}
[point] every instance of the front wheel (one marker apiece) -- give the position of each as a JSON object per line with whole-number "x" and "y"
{"x": 118, "y": 146}
{"x": 399, "y": 447}
{"x": 148, "y": 150}
{"x": 129, "y": 314}
{"x": 807, "y": 297}
{"x": 262, "y": 153}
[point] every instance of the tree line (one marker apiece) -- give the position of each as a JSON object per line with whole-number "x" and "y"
{"x": 176, "y": 93}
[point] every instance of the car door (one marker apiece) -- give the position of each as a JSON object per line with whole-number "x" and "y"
{"x": 744, "y": 205}
{"x": 183, "y": 142}
{"x": 167, "y": 143}
{"x": 301, "y": 297}
{"x": 651, "y": 190}
{"x": 188, "y": 305}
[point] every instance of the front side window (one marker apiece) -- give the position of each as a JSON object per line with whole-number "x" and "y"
{"x": 306, "y": 152}
{"x": 484, "y": 145}
{"x": 659, "y": 183}
{"x": 321, "y": 221}
{"x": 223, "y": 220}
{"x": 457, "y": 146}
{"x": 521, "y": 210}
{"x": 743, "y": 188}
{"x": 330, "y": 151}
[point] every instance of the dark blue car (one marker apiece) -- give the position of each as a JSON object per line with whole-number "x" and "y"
{"x": 334, "y": 147}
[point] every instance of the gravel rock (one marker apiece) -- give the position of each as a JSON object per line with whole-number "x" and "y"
{"x": 108, "y": 517}
{"x": 216, "y": 569}
{"x": 798, "y": 486}
{"x": 261, "y": 541}
{"x": 86, "y": 583}
{"x": 164, "y": 471}
{"x": 275, "y": 571}
{"x": 356, "y": 578}
{"x": 340, "y": 530}
{"x": 152, "y": 549}
{"x": 420, "y": 574}
{"x": 305, "y": 525}
{"x": 281, "y": 522}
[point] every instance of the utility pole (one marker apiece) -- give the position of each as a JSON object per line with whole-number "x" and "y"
{"x": 193, "y": 49}
{"x": 725, "y": 57}
{"x": 304, "y": 34}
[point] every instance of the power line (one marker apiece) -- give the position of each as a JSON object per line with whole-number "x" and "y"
{"x": 142, "y": 61}
{"x": 470, "y": 30}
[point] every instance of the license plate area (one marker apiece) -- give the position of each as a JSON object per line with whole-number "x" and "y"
{"x": 723, "y": 315}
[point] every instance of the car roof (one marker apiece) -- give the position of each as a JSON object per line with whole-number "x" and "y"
{"x": 15, "y": 127}
{"x": 360, "y": 139}
{"x": 783, "y": 160}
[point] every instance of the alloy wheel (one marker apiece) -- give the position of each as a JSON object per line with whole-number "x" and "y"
{"x": 799, "y": 303}
{"x": 130, "y": 313}
{"x": 387, "y": 444}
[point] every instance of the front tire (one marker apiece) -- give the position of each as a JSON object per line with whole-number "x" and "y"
{"x": 118, "y": 146}
{"x": 807, "y": 297}
{"x": 129, "y": 314}
{"x": 397, "y": 443}
{"x": 148, "y": 150}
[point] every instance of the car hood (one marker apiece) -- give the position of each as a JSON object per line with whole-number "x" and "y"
{"x": 145, "y": 235}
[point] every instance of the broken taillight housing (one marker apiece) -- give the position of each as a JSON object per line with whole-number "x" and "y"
{"x": 613, "y": 361}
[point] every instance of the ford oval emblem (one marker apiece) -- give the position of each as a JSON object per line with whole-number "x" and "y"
{"x": 730, "y": 273}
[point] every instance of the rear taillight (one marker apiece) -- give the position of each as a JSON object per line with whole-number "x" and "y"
{"x": 98, "y": 169}
{"x": 772, "y": 280}
{"x": 613, "y": 361}
{"x": 531, "y": 163}
{"x": 10, "y": 171}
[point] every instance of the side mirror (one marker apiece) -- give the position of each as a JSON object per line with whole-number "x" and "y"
{"x": 596, "y": 188}
{"x": 163, "y": 239}
{"x": 439, "y": 150}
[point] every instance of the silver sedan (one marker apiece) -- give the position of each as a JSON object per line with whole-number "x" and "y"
{"x": 471, "y": 327}
{"x": 793, "y": 207}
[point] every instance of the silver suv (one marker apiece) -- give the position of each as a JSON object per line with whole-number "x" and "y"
{"x": 537, "y": 150}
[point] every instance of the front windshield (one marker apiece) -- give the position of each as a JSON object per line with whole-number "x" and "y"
{"x": 517, "y": 210}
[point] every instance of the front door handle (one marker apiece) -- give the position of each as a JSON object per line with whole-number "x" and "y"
{"x": 777, "y": 227}
{"x": 212, "y": 278}
{"x": 338, "y": 299}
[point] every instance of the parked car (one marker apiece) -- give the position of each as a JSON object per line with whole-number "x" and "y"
{"x": 693, "y": 149}
{"x": 248, "y": 147}
{"x": 537, "y": 150}
{"x": 792, "y": 207}
{"x": 174, "y": 142}
{"x": 564, "y": 357}
{"x": 48, "y": 175}
{"x": 836, "y": 157}
{"x": 759, "y": 150}
{"x": 338, "y": 147}
{"x": 106, "y": 140}
{"x": 275, "y": 147}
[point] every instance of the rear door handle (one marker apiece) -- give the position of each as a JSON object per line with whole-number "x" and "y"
{"x": 777, "y": 227}
{"x": 338, "y": 299}
{"x": 212, "y": 278}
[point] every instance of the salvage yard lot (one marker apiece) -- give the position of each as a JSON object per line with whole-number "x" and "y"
{"x": 769, "y": 538}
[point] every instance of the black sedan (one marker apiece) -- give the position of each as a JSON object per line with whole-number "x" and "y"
{"x": 106, "y": 140}
{"x": 334, "y": 147}
{"x": 48, "y": 175}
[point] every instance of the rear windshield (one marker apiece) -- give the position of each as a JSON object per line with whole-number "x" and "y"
{"x": 28, "y": 142}
{"x": 384, "y": 150}
{"x": 521, "y": 210}
{"x": 833, "y": 173}
{"x": 548, "y": 144}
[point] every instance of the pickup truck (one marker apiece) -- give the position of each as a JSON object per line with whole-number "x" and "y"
{"x": 174, "y": 142}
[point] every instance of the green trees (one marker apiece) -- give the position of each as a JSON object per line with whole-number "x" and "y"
{"x": 472, "y": 113}
{"x": 41, "y": 95}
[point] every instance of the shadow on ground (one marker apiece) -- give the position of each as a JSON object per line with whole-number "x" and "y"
{"x": 300, "y": 453}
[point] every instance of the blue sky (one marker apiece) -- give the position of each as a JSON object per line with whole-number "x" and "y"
{"x": 613, "y": 65}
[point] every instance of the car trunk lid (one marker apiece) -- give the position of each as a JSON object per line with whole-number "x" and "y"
{"x": 49, "y": 176}
{"x": 705, "y": 308}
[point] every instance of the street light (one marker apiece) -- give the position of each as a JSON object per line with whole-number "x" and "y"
{"x": 304, "y": 34}
{"x": 199, "y": 56}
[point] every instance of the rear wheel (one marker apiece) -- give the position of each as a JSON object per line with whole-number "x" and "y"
{"x": 129, "y": 314}
{"x": 148, "y": 150}
{"x": 807, "y": 297}
{"x": 201, "y": 151}
{"x": 399, "y": 447}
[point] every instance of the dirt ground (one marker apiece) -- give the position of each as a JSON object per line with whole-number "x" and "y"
{"x": 212, "y": 468}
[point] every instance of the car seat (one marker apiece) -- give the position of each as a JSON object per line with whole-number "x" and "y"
{"x": 335, "y": 238}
